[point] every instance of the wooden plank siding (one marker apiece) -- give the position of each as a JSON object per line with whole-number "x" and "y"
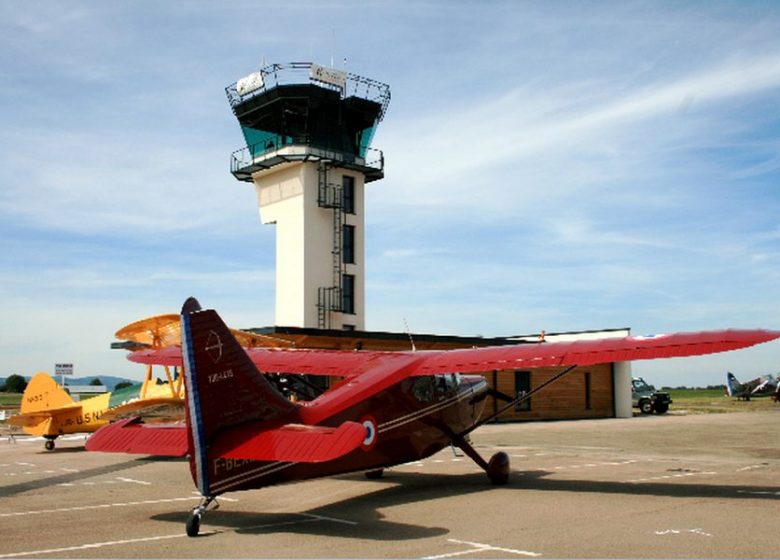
{"x": 564, "y": 399}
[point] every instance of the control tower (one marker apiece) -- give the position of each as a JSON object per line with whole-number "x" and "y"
{"x": 308, "y": 131}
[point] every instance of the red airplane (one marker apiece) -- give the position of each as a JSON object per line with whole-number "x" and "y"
{"x": 391, "y": 408}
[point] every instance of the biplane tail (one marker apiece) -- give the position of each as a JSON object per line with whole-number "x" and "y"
{"x": 43, "y": 394}
{"x": 41, "y": 399}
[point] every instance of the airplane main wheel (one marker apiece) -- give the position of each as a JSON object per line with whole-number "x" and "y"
{"x": 193, "y": 524}
{"x": 49, "y": 445}
{"x": 498, "y": 468}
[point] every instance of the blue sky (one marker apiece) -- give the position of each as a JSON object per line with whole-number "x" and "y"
{"x": 549, "y": 165}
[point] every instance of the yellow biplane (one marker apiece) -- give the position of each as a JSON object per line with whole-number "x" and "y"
{"x": 47, "y": 409}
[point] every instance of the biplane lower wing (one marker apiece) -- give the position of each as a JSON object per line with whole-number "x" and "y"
{"x": 160, "y": 409}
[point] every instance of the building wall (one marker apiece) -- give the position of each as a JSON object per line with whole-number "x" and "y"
{"x": 287, "y": 197}
{"x": 563, "y": 399}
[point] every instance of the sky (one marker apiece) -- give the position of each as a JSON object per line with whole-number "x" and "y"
{"x": 556, "y": 165}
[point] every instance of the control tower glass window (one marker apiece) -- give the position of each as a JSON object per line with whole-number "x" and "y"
{"x": 348, "y": 294}
{"x": 348, "y": 194}
{"x": 348, "y": 240}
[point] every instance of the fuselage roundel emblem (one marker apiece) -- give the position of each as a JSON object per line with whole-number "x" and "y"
{"x": 371, "y": 432}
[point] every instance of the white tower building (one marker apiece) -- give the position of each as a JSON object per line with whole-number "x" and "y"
{"x": 308, "y": 131}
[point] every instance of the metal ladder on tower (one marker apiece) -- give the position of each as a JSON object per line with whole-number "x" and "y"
{"x": 330, "y": 195}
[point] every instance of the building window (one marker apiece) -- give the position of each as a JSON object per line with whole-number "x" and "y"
{"x": 348, "y": 194}
{"x": 348, "y": 244}
{"x": 348, "y": 294}
{"x": 587, "y": 391}
{"x": 522, "y": 386}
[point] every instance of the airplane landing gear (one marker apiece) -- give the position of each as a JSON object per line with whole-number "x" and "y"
{"x": 193, "y": 521}
{"x": 49, "y": 445}
{"x": 498, "y": 467}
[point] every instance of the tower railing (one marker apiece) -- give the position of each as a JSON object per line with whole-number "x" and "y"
{"x": 300, "y": 72}
{"x": 278, "y": 149}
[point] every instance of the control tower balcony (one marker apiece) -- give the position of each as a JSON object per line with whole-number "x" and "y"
{"x": 301, "y": 112}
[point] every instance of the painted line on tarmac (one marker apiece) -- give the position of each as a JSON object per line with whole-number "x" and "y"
{"x": 310, "y": 518}
{"x": 480, "y": 547}
{"x": 592, "y": 465}
{"x": 92, "y": 545}
{"x": 671, "y": 476}
{"x": 112, "y": 481}
{"x": 758, "y": 492}
{"x": 96, "y": 506}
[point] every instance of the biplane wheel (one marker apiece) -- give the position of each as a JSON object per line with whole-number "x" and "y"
{"x": 49, "y": 445}
{"x": 193, "y": 524}
{"x": 373, "y": 475}
{"x": 498, "y": 468}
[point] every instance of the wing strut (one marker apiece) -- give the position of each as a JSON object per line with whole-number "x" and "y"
{"x": 521, "y": 398}
{"x": 497, "y": 468}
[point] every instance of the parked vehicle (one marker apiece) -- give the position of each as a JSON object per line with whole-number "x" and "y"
{"x": 647, "y": 399}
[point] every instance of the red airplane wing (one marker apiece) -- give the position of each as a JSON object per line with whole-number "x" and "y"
{"x": 589, "y": 352}
{"x": 470, "y": 360}
{"x": 290, "y": 442}
{"x": 130, "y": 436}
{"x": 382, "y": 370}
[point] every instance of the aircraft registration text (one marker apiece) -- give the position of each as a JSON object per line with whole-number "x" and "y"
{"x": 221, "y": 376}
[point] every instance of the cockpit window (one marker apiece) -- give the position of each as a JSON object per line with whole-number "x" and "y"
{"x": 436, "y": 387}
{"x": 423, "y": 389}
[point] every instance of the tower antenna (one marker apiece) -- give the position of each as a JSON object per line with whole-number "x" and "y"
{"x": 333, "y": 47}
{"x": 409, "y": 334}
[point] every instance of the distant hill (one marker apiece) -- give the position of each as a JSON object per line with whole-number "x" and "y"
{"x": 108, "y": 380}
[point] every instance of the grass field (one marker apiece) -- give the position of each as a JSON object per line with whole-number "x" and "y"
{"x": 713, "y": 401}
{"x": 10, "y": 399}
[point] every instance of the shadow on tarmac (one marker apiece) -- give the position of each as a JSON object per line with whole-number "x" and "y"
{"x": 360, "y": 516}
{"x": 65, "y": 478}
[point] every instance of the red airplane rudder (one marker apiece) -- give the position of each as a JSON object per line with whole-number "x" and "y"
{"x": 223, "y": 386}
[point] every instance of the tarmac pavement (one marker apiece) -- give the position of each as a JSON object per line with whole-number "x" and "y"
{"x": 654, "y": 486}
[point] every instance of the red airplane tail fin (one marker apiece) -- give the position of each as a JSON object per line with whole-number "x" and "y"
{"x": 224, "y": 388}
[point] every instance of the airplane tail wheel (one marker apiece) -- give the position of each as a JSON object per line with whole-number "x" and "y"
{"x": 193, "y": 523}
{"x": 49, "y": 445}
{"x": 498, "y": 468}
